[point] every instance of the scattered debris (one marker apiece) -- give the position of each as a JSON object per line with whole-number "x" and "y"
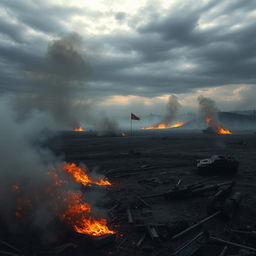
{"x": 192, "y": 245}
{"x": 241, "y": 246}
{"x": 141, "y": 240}
{"x": 187, "y": 191}
{"x": 224, "y": 251}
{"x": 195, "y": 225}
{"x": 129, "y": 214}
{"x": 8, "y": 245}
{"x": 155, "y": 210}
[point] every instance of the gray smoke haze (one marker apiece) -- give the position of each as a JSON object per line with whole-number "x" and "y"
{"x": 55, "y": 79}
{"x": 207, "y": 107}
{"x": 106, "y": 126}
{"x": 24, "y": 164}
{"x": 29, "y": 195}
{"x": 172, "y": 108}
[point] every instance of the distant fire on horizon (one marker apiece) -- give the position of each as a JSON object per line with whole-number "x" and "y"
{"x": 165, "y": 126}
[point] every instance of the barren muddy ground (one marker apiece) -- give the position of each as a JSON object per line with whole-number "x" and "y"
{"x": 148, "y": 163}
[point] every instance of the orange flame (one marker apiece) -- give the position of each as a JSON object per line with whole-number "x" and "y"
{"x": 179, "y": 124}
{"x": 70, "y": 206}
{"x": 122, "y": 134}
{"x": 80, "y": 175}
{"x": 93, "y": 227}
{"x": 75, "y": 206}
{"x": 78, "y": 129}
{"x": 165, "y": 126}
{"x": 77, "y": 215}
{"x": 217, "y": 127}
{"x": 222, "y": 130}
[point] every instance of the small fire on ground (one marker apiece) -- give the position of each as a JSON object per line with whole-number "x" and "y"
{"x": 165, "y": 126}
{"x": 78, "y": 129}
{"x": 70, "y": 206}
{"x": 78, "y": 215}
{"x": 216, "y": 126}
{"x": 79, "y": 175}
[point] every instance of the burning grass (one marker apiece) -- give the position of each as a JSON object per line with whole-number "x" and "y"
{"x": 69, "y": 206}
{"x": 78, "y": 129}
{"x": 93, "y": 227}
{"x": 216, "y": 126}
{"x": 80, "y": 176}
{"x": 78, "y": 215}
{"x": 165, "y": 126}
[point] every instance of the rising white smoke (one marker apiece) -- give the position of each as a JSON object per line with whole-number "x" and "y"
{"x": 172, "y": 108}
{"x": 55, "y": 79}
{"x": 207, "y": 107}
{"x": 23, "y": 165}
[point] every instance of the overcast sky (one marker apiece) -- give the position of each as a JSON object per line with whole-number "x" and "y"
{"x": 138, "y": 52}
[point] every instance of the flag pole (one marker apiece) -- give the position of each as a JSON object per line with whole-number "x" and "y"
{"x": 131, "y": 126}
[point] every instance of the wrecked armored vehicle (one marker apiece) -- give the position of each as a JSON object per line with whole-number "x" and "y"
{"x": 217, "y": 164}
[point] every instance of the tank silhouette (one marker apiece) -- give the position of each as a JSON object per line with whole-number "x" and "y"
{"x": 217, "y": 164}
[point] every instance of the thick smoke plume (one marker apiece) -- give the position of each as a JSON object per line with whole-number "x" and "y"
{"x": 23, "y": 166}
{"x": 172, "y": 108}
{"x": 209, "y": 112}
{"x": 106, "y": 126}
{"x": 207, "y": 107}
{"x": 34, "y": 191}
{"x": 55, "y": 80}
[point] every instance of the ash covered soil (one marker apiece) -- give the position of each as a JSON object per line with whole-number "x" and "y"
{"x": 153, "y": 162}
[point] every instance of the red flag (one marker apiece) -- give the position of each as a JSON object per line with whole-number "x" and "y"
{"x": 134, "y": 117}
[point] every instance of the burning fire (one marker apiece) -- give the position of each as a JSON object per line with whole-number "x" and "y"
{"x": 80, "y": 176}
{"x": 78, "y": 216}
{"x": 165, "y": 126}
{"x": 179, "y": 124}
{"x": 78, "y": 129}
{"x": 122, "y": 134}
{"x": 69, "y": 205}
{"x": 217, "y": 127}
{"x": 93, "y": 227}
{"x": 222, "y": 130}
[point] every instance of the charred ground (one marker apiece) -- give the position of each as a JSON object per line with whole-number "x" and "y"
{"x": 147, "y": 163}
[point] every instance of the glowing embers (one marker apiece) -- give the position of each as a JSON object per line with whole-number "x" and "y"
{"x": 179, "y": 124}
{"x": 216, "y": 127}
{"x": 165, "y": 126}
{"x": 93, "y": 227}
{"x": 80, "y": 176}
{"x": 78, "y": 129}
{"x": 78, "y": 215}
{"x": 70, "y": 206}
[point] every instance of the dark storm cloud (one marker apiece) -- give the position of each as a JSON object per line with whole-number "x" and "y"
{"x": 12, "y": 31}
{"x": 39, "y": 15}
{"x": 187, "y": 47}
